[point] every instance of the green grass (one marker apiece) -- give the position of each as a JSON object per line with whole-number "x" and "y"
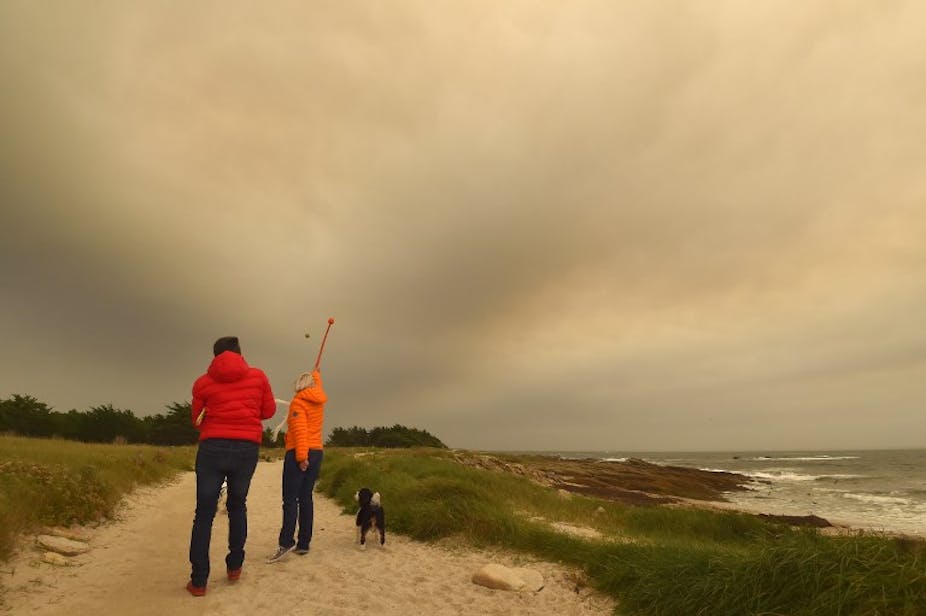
{"x": 58, "y": 482}
{"x": 653, "y": 560}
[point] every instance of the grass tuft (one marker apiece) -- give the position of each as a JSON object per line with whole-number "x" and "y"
{"x": 60, "y": 483}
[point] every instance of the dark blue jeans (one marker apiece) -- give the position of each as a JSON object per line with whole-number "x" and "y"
{"x": 218, "y": 460}
{"x": 297, "y": 498}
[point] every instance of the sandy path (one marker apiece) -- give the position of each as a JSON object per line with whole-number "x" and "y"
{"x": 138, "y": 565}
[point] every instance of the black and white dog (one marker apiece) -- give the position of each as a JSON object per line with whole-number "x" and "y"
{"x": 370, "y": 515}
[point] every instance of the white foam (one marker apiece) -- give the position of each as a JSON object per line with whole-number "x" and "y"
{"x": 876, "y": 499}
{"x": 783, "y": 476}
{"x": 821, "y": 458}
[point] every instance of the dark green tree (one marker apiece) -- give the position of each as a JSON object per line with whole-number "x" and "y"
{"x": 172, "y": 428}
{"x": 26, "y": 416}
{"x": 266, "y": 439}
{"x": 396, "y": 436}
{"x": 348, "y": 437}
{"x": 104, "y": 424}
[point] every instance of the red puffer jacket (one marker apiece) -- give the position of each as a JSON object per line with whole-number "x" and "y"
{"x": 236, "y": 398}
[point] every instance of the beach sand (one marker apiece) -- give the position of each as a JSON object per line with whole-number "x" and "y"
{"x": 138, "y": 565}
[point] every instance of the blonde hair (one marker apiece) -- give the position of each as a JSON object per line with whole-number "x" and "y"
{"x": 303, "y": 381}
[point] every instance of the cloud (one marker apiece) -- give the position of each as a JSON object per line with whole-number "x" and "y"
{"x": 593, "y": 225}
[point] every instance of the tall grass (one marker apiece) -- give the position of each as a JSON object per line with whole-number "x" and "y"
{"x": 57, "y": 482}
{"x": 653, "y": 560}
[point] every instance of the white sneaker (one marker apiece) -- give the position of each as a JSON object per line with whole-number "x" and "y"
{"x": 280, "y": 553}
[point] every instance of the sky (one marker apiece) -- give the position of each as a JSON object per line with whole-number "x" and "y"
{"x": 594, "y": 225}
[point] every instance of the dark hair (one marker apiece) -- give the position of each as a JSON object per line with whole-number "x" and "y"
{"x": 226, "y": 343}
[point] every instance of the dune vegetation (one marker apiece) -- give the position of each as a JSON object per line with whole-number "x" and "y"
{"x": 655, "y": 560}
{"x": 56, "y": 482}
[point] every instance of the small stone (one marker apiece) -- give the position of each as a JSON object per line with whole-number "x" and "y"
{"x": 533, "y": 580}
{"x": 75, "y": 534}
{"x": 53, "y": 558}
{"x": 500, "y": 577}
{"x": 564, "y": 494}
{"x": 61, "y": 545}
{"x": 600, "y": 510}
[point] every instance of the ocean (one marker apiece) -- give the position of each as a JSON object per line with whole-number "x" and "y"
{"x": 882, "y": 490}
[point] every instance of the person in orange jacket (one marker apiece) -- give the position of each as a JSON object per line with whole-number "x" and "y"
{"x": 301, "y": 463}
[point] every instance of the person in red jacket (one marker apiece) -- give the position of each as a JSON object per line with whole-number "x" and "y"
{"x": 302, "y": 462}
{"x": 229, "y": 403}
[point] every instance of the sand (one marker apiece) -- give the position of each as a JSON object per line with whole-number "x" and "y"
{"x": 138, "y": 565}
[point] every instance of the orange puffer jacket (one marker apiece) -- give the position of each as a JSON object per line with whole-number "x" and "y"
{"x": 305, "y": 419}
{"x": 236, "y": 398}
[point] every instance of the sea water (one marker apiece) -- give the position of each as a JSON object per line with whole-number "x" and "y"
{"x": 881, "y": 490}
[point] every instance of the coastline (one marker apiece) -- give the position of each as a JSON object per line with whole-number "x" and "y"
{"x": 634, "y": 481}
{"x": 642, "y": 547}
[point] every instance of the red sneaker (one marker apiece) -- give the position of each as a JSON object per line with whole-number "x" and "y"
{"x": 234, "y": 574}
{"x": 196, "y": 591}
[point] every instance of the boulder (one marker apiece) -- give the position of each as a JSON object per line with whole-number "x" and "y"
{"x": 61, "y": 545}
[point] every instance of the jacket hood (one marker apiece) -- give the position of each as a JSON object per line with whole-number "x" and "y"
{"x": 228, "y": 367}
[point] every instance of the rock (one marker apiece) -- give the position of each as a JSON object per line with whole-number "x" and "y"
{"x": 533, "y": 580}
{"x": 53, "y": 558}
{"x": 75, "y": 534}
{"x": 564, "y": 494}
{"x": 61, "y": 545}
{"x": 576, "y": 531}
{"x": 500, "y": 577}
{"x": 798, "y": 520}
{"x": 599, "y": 511}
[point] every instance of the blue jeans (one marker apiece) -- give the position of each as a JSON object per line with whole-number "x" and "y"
{"x": 297, "y": 498}
{"x": 218, "y": 460}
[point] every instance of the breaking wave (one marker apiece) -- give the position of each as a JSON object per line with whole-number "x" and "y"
{"x": 821, "y": 458}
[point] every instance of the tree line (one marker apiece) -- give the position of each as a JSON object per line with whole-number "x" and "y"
{"x": 396, "y": 436}
{"x": 27, "y": 416}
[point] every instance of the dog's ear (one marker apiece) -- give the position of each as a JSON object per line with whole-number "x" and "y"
{"x": 375, "y": 500}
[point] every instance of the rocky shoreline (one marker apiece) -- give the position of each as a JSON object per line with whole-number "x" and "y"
{"x": 630, "y": 482}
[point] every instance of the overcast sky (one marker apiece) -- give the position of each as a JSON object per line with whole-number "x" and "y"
{"x": 539, "y": 225}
